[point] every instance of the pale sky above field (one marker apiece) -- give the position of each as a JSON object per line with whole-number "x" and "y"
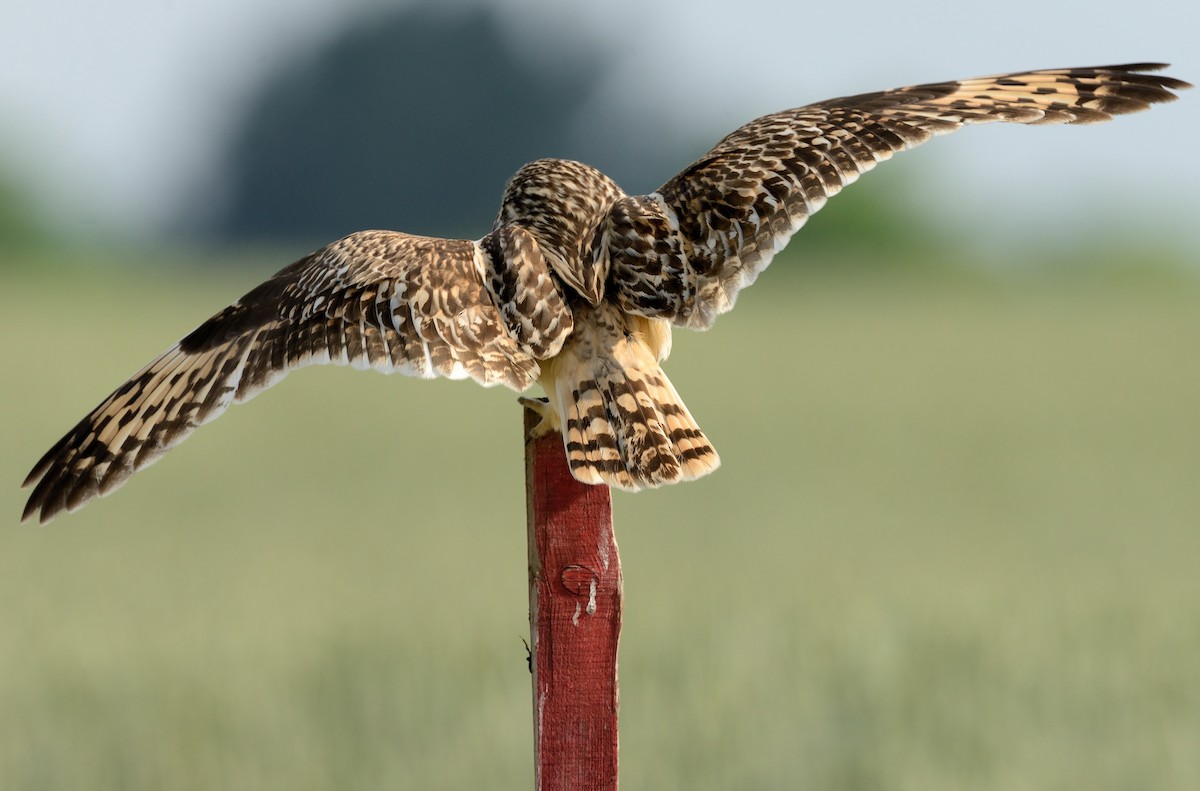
{"x": 115, "y": 110}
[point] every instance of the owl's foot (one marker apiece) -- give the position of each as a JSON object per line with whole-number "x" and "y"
{"x": 547, "y": 420}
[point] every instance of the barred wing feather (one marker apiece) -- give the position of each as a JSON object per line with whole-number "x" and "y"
{"x": 376, "y": 299}
{"x": 685, "y": 251}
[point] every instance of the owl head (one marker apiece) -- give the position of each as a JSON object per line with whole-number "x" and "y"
{"x": 563, "y": 204}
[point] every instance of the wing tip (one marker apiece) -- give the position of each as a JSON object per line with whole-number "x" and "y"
{"x": 1161, "y": 82}
{"x": 41, "y": 506}
{"x": 39, "y": 479}
{"x": 49, "y": 496}
{"x": 62, "y": 488}
{"x": 1149, "y": 68}
{"x": 1137, "y": 85}
{"x": 31, "y": 508}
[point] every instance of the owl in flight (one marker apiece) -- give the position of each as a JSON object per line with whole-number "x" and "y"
{"x": 575, "y": 288}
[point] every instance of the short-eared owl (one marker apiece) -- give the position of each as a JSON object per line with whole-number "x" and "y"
{"x": 576, "y": 287}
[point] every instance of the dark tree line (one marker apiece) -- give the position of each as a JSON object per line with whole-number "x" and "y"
{"x": 413, "y": 120}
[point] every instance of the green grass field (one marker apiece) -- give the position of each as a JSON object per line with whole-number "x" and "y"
{"x": 953, "y": 545}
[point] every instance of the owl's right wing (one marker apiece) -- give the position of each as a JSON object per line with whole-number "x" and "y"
{"x": 377, "y": 299}
{"x": 684, "y": 252}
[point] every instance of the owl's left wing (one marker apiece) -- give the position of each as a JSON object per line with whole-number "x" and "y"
{"x": 685, "y": 251}
{"x": 376, "y": 299}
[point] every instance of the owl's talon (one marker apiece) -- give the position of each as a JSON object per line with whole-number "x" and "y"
{"x": 547, "y": 420}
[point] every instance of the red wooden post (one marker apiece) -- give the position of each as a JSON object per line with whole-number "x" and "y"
{"x": 574, "y": 621}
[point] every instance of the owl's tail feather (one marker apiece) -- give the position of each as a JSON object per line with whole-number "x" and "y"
{"x": 625, "y": 426}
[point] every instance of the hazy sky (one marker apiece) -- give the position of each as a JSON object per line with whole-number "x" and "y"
{"x": 117, "y": 110}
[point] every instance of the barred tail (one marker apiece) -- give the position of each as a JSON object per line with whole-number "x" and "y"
{"x": 623, "y": 423}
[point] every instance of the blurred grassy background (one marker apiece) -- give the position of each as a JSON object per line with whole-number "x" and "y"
{"x": 952, "y": 546}
{"x": 953, "y": 542}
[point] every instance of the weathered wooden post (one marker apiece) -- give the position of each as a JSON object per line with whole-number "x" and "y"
{"x": 574, "y": 621}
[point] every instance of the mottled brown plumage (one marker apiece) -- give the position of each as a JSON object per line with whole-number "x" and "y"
{"x": 576, "y": 287}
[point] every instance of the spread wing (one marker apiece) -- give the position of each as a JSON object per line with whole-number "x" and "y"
{"x": 376, "y": 299}
{"x": 685, "y": 251}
